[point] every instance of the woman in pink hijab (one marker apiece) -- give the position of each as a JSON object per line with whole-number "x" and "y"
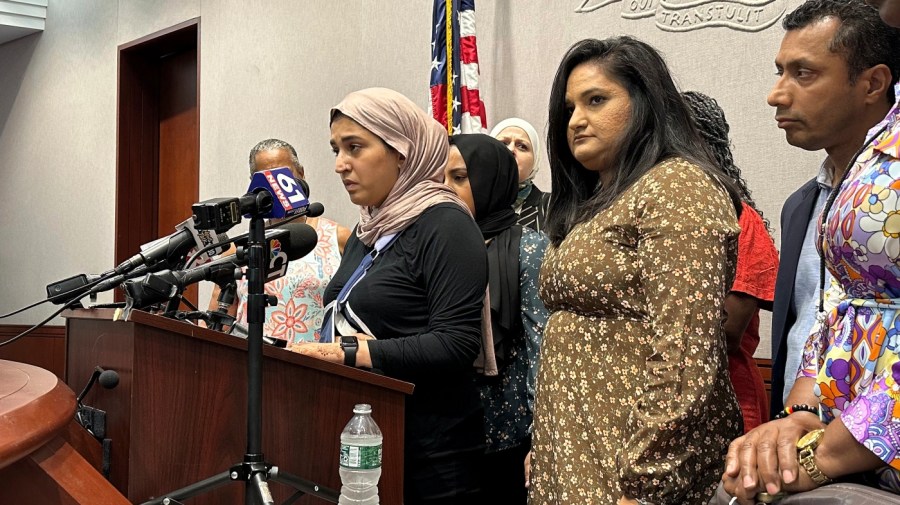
{"x": 407, "y": 299}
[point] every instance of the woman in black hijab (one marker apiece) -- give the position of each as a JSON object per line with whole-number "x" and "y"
{"x": 484, "y": 174}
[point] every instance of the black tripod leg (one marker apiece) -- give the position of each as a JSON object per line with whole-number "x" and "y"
{"x": 192, "y": 490}
{"x": 258, "y": 490}
{"x": 303, "y": 485}
{"x": 293, "y": 498}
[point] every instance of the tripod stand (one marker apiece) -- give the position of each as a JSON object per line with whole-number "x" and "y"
{"x": 253, "y": 470}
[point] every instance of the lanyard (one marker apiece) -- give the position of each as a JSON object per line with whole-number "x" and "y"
{"x": 328, "y": 325}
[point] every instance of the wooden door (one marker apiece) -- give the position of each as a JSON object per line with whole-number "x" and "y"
{"x": 158, "y": 137}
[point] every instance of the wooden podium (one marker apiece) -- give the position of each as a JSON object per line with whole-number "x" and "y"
{"x": 179, "y": 413}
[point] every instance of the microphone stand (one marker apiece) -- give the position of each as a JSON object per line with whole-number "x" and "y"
{"x": 219, "y": 318}
{"x": 253, "y": 470}
{"x": 254, "y": 466}
{"x": 172, "y": 305}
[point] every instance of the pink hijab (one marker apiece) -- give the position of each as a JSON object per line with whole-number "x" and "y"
{"x": 424, "y": 144}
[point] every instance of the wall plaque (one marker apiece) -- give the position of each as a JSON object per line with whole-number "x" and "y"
{"x": 686, "y": 15}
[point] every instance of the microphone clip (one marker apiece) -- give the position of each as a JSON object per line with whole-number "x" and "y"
{"x": 93, "y": 420}
{"x": 222, "y": 214}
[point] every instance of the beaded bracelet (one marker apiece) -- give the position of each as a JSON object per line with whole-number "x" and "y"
{"x": 796, "y": 408}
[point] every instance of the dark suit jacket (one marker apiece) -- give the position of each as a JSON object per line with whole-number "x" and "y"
{"x": 795, "y": 216}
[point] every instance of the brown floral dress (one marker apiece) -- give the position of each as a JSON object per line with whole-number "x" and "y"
{"x": 633, "y": 394}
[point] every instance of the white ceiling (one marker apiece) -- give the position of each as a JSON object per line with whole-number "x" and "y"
{"x": 19, "y": 18}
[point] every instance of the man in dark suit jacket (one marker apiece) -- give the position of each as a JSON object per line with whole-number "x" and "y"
{"x": 796, "y": 215}
{"x": 816, "y": 111}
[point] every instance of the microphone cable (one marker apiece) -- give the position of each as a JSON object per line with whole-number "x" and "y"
{"x": 65, "y": 306}
{"x": 61, "y": 296}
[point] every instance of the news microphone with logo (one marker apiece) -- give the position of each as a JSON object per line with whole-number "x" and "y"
{"x": 292, "y": 241}
{"x": 170, "y": 251}
{"x": 287, "y": 192}
{"x": 273, "y": 194}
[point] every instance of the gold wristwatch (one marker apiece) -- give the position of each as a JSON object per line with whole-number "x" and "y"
{"x": 806, "y": 448}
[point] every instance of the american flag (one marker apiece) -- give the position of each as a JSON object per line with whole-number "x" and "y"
{"x": 455, "y": 101}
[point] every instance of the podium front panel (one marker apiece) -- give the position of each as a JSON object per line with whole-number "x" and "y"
{"x": 179, "y": 414}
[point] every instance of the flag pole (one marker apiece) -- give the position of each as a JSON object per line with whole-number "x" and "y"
{"x": 449, "y": 17}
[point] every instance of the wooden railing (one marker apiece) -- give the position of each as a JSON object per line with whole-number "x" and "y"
{"x": 765, "y": 368}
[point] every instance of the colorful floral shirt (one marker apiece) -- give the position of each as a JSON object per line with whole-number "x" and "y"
{"x": 299, "y": 312}
{"x": 509, "y": 397}
{"x": 855, "y": 359}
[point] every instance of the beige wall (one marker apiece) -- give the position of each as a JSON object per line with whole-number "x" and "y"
{"x": 57, "y": 152}
{"x": 273, "y": 69}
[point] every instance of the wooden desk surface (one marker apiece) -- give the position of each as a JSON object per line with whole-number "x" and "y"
{"x": 34, "y": 407}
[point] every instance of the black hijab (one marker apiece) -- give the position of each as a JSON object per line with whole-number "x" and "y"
{"x": 494, "y": 179}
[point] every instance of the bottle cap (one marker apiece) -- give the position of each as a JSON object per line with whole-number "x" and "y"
{"x": 362, "y": 408}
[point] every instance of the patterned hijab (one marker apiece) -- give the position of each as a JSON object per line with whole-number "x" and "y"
{"x": 422, "y": 142}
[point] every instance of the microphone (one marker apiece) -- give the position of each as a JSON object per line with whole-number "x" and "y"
{"x": 167, "y": 252}
{"x": 288, "y": 243}
{"x": 272, "y": 194}
{"x": 282, "y": 230}
{"x": 288, "y": 195}
{"x": 109, "y": 379}
{"x": 66, "y": 290}
{"x": 304, "y": 186}
{"x": 90, "y": 418}
{"x": 170, "y": 251}
{"x": 315, "y": 209}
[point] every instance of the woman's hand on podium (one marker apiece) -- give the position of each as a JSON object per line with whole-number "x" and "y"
{"x": 332, "y": 351}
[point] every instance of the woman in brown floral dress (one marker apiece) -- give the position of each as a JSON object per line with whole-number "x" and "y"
{"x": 634, "y": 403}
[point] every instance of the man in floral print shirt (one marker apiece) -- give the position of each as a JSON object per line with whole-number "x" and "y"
{"x": 843, "y": 414}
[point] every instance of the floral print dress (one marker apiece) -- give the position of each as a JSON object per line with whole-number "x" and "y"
{"x": 633, "y": 393}
{"x": 298, "y": 315}
{"x": 855, "y": 357}
{"x": 509, "y": 398}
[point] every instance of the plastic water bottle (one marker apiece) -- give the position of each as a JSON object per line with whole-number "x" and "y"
{"x": 360, "y": 461}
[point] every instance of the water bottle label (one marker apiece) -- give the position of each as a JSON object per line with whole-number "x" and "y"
{"x": 365, "y": 457}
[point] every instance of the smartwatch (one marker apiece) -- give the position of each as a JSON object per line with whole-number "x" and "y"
{"x": 349, "y": 345}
